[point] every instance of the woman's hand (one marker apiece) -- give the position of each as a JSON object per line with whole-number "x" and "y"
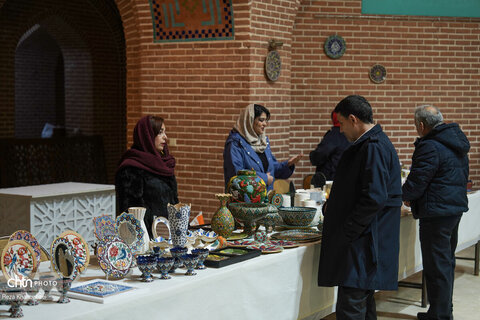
{"x": 269, "y": 179}
{"x": 293, "y": 161}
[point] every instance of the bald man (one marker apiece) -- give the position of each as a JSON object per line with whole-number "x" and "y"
{"x": 436, "y": 191}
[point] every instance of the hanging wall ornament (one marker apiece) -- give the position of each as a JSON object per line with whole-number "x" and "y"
{"x": 378, "y": 73}
{"x": 273, "y": 65}
{"x": 335, "y": 46}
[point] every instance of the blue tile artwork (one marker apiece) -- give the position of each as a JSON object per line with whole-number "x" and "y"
{"x": 101, "y": 289}
{"x": 192, "y": 20}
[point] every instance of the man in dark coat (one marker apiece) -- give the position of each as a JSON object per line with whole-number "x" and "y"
{"x": 328, "y": 152}
{"x": 436, "y": 191}
{"x": 360, "y": 241}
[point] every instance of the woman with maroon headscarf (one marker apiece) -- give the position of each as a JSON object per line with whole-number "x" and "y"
{"x": 145, "y": 176}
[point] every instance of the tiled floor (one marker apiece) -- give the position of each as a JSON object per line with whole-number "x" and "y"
{"x": 405, "y": 303}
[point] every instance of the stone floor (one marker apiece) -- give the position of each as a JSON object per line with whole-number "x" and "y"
{"x": 405, "y": 303}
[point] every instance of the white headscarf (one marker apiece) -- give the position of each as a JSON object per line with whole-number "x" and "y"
{"x": 244, "y": 126}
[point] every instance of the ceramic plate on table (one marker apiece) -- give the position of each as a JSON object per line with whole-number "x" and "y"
{"x": 63, "y": 262}
{"x": 242, "y": 243}
{"x": 18, "y": 260}
{"x": 287, "y": 226}
{"x": 130, "y": 230}
{"x": 297, "y": 235}
{"x": 283, "y": 243}
{"x": 104, "y": 227}
{"x": 114, "y": 257}
{"x": 266, "y": 248}
{"x": 237, "y": 236}
{"x": 30, "y": 239}
{"x": 80, "y": 246}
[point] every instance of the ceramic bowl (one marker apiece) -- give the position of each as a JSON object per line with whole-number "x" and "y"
{"x": 297, "y": 216}
{"x": 248, "y": 212}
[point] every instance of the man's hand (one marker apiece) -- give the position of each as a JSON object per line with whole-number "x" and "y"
{"x": 293, "y": 160}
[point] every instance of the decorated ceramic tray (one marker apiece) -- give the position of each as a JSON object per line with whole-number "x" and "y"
{"x": 266, "y": 248}
{"x": 114, "y": 257}
{"x": 335, "y": 46}
{"x": 63, "y": 262}
{"x": 130, "y": 230}
{"x": 237, "y": 236}
{"x": 18, "y": 260}
{"x": 80, "y": 246}
{"x": 273, "y": 65}
{"x": 229, "y": 255}
{"x": 378, "y": 73}
{"x": 242, "y": 243}
{"x": 30, "y": 239}
{"x": 104, "y": 227}
{"x": 101, "y": 288}
{"x": 284, "y": 243}
{"x": 297, "y": 235}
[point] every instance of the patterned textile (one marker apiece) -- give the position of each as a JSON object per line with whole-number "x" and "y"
{"x": 192, "y": 20}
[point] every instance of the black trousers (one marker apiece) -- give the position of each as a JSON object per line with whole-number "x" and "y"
{"x": 438, "y": 239}
{"x": 355, "y": 304}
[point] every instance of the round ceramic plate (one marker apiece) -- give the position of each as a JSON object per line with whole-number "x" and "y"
{"x": 104, "y": 227}
{"x": 378, "y": 73}
{"x": 63, "y": 258}
{"x": 81, "y": 251}
{"x": 283, "y": 243}
{"x": 129, "y": 230}
{"x": 277, "y": 200}
{"x": 335, "y": 46}
{"x": 297, "y": 235}
{"x": 273, "y": 65}
{"x": 30, "y": 239}
{"x": 237, "y": 236}
{"x": 114, "y": 257}
{"x": 266, "y": 248}
{"x": 242, "y": 243}
{"x": 18, "y": 260}
{"x": 287, "y": 226}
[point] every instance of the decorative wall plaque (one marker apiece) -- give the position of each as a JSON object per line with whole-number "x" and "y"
{"x": 273, "y": 65}
{"x": 335, "y": 46}
{"x": 378, "y": 73}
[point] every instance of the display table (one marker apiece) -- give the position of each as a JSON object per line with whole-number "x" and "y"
{"x": 274, "y": 286}
{"x": 49, "y": 209}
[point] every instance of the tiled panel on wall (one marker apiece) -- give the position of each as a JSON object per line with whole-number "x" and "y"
{"x": 192, "y": 20}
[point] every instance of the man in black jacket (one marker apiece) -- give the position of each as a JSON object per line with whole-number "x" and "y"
{"x": 436, "y": 191}
{"x": 360, "y": 237}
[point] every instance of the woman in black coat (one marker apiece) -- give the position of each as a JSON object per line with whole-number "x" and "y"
{"x": 145, "y": 176}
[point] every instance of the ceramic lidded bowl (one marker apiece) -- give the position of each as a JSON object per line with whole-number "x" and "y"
{"x": 297, "y": 216}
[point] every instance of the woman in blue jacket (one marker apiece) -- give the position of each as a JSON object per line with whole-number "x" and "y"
{"x": 247, "y": 147}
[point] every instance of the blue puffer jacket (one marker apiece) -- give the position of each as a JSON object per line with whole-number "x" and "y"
{"x": 436, "y": 185}
{"x": 239, "y": 155}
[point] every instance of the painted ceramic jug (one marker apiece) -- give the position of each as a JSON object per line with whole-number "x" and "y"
{"x": 222, "y": 221}
{"x": 178, "y": 218}
{"x": 139, "y": 214}
{"x": 246, "y": 186}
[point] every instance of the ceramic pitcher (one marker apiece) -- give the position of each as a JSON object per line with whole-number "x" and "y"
{"x": 178, "y": 217}
{"x": 139, "y": 214}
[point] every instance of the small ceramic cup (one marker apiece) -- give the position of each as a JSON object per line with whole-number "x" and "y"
{"x": 260, "y": 236}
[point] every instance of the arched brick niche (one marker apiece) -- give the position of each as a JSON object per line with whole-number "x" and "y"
{"x": 89, "y": 36}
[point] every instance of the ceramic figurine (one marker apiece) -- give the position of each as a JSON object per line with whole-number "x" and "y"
{"x": 222, "y": 221}
{"x": 178, "y": 218}
{"x": 246, "y": 186}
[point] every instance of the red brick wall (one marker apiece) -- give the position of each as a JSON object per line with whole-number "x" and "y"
{"x": 429, "y": 60}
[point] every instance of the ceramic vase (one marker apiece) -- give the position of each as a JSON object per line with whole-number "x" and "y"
{"x": 222, "y": 221}
{"x": 178, "y": 217}
{"x": 139, "y": 214}
{"x": 246, "y": 186}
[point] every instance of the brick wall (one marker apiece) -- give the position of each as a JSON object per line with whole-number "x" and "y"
{"x": 429, "y": 60}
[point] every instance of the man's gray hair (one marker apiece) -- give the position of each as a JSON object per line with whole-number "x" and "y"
{"x": 429, "y": 115}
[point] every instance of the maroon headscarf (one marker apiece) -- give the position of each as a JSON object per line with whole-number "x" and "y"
{"x": 143, "y": 153}
{"x": 335, "y": 120}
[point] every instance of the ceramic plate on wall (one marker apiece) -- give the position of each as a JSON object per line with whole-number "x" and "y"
{"x": 273, "y": 65}
{"x": 80, "y": 246}
{"x": 378, "y": 73}
{"x": 30, "y": 239}
{"x": 335, "y": 46}
{"x": 130, "y": 230}
{"x": 104, "y": 227}
{"x": 114, "y": 257}
{"x": 18, "y": 260}
{"x": 63, "y": 258}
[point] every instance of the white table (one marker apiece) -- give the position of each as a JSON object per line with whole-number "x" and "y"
{"x": 49, "y": 209}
